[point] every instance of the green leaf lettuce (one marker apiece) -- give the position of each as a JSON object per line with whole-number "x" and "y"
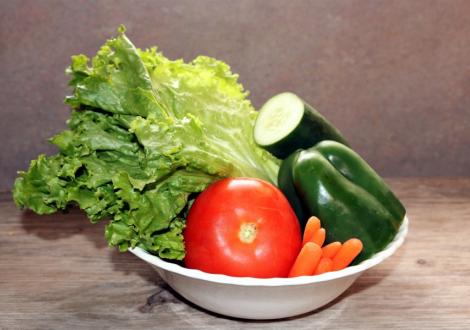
{"x": 146, "y": 134}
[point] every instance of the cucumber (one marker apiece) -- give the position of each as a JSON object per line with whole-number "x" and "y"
{"x": 286, "y": 123}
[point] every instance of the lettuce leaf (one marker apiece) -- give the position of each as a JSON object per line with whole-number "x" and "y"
{"x": 146, "y": 135}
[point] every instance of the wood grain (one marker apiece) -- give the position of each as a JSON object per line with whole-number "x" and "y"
{"x": 57, "y": 272}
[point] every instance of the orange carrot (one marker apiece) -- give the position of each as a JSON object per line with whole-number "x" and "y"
{"x": 325, "y": 265}
{"x": 319, "y": 237}
{"x": 350, "y": 250}
{"x": 306, "y": 261}
{"x": 313, "y": 224}
{"x": 330, "y": 250}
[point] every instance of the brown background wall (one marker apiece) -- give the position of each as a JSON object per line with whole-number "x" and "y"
{"x": 394, "y": 76}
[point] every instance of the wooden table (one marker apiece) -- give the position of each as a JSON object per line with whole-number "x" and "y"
{"x": 57, "y": 272}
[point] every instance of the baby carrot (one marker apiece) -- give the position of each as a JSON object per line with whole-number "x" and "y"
{"x": 324, "y": 265}
{"x": 306, "y": 261}
{"x": 330, "y": 250}
{"x": 313, "y": 224}
{"x": 319, "y": 237}
{"x": 350, "y": 250}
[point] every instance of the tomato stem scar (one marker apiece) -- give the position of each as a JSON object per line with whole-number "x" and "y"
{"x": 247, "y": 233}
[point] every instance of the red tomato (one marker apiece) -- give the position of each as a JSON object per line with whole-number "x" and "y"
{"x": 242, "y": 227}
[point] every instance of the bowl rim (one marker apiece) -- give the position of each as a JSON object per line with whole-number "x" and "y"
{"x": 277, "y": 281}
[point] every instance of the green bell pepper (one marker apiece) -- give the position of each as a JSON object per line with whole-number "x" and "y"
{"x": 335, "y": 184}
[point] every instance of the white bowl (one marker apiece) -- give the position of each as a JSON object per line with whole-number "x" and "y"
{"x": 255, "y": 298}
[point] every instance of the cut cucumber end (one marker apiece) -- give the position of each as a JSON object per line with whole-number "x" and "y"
{"x": 286, "y": 123}
{"x": 277, "y": 118}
